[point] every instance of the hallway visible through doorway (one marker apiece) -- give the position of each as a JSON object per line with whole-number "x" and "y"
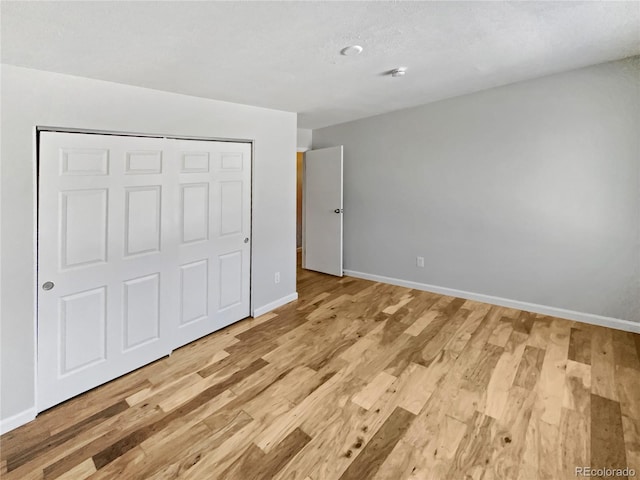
{"x": 299, "y": 159}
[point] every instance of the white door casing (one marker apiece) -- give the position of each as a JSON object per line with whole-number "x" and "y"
{"x": 323, "y": 210}
{"x": 126, "y": 237}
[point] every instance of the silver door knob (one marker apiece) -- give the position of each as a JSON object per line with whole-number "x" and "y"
{"x": 337, "y": 210}
{"x": 246, "y": 240}
{"x": 48, "y": 285}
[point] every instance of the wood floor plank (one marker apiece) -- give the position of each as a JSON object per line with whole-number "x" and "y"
{"x": 88, "y": 404}
{"x": 580, "y": 346}
{"x": 342, "y": 436}
{"x": 575, "y": 433}
{"x": 446, "y": 444}
{"x": 631, "y": 430}
{"x": 529, "y": 368}
{"x": 532, "y": 451}
{"x": 63, "y": 436}
{"x": 248, "y": 324}
{"x": 300, "y": 375}
{"x": 501, "y": 333}
{"x": 175, "y": 454}
{"x": 550, "y": 464}
{"x": 257, "y": 465}
{"x": 183, "y": 424}
{"x": 212, "y": 462}
{"x": 285, "y": 424}
{"x": 523, "y": 321}
{"x": 540, "y": 331}
{"x": 374, "y": 390}
{"x": 478, "y": 311}
{"x": 624, "y": 349}
{"x": 347, "y": 431}
{"x": 474, "y": 452}
{"x": 577, "y": 392}
{"x": 509, "y": 442}
{"x": 193, "y": 356}
{"x": 503, "y": 374}
{"x": 607, "y": 434}
{"x": 628, "y": 389}
{"x": 376, "y": 451}
{"x": 356, "y": 379}
{"x": 477, "y": 375}
{"x": 552, "y": 375}
{"x": 90, "y": 440}
{"x": 603, "y": 364}
{"x": 418, "y": 348}
{"x": 391, "y": 309}
{"x": 446, "y": 374}
{"x": 80, "y": 472}
{"x": 421, "y": 323}
{"x": 433, "y": 346}
{"x": 110, "y": 453}
{"x": 177, "y": 382}
{"x": 309, "y": 385}
{"x": 333, "y": 442}
{"x": 430, "y": 462}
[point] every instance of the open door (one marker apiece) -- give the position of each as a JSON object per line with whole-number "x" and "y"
{"x": 322, "y": 241}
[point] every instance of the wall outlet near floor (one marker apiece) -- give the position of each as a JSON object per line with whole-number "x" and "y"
{"x": 419, "y": 261}
{"x": 276, "y": 277}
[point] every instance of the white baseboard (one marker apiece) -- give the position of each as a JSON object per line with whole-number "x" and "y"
{"x": 17, "y": 420}
{"x": 275, "y": 304}
{"x": 610, "y": 322}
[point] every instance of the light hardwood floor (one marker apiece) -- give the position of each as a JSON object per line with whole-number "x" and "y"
{"x": 356, "y": 380}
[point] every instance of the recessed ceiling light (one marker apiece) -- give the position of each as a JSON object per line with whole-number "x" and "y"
{"x": 351, "y": 50}
{"x": 398, "y": 72}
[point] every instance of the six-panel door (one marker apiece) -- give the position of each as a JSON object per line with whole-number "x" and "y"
{"x": 141, "y": 249}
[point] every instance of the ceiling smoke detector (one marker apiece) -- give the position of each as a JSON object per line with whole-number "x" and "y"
{"x": 351, "y": 50}
{"x": 398, "y": 72}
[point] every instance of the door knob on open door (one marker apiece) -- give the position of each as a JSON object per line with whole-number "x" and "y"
{"x": 337, "y": 210}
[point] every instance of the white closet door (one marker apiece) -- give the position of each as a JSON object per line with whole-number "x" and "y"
{"x": 214, "y": 239}
{"x": 105, "y": 301}
{"x": 141, "y": 249}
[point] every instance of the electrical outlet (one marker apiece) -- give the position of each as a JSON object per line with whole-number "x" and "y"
{"x": 420, "y": 262}
{"x": 276, "y": 277}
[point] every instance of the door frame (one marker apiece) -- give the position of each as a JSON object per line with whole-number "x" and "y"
{"x": 36, "y": 210}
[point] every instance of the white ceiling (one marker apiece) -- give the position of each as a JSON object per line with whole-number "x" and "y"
{"x": 285, "y": 55}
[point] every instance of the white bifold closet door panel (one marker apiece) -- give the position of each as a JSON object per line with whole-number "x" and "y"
{"x": 141, "y": 249}
{"x": 214, "y": 235}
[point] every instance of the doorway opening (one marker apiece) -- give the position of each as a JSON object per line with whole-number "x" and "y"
{"x": 299, "y": 171}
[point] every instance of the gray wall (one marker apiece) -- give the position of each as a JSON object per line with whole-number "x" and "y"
{"x": 304, "y": 139}
{"x": 528, "y": 192}
{"x": 31, "y": 97}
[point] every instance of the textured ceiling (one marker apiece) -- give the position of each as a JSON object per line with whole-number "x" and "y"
{"x": 285, "y": 55}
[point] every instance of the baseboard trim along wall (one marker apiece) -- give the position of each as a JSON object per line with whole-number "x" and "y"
{"x": 17, "y": 420}
{"x": 610, "y": 322}
{"x": 275, "y": 304}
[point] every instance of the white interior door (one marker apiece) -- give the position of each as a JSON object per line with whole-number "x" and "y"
{"x": 322, "y": 191}
{"x": 130, "y": 264}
